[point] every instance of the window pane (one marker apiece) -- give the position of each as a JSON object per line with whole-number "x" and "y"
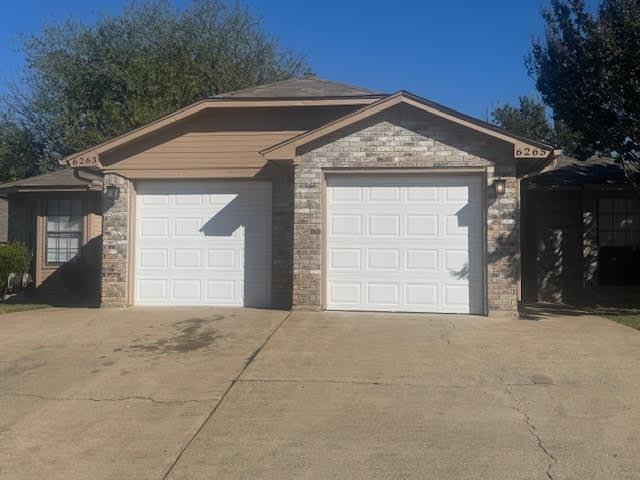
{"x": 605, "y": 205}
{"x": 52, "y": 249}
{"x": 74, "y": 244}
{"x": 75, "y": 224}
{"x": 64, "y": 228}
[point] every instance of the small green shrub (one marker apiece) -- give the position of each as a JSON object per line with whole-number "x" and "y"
{"x": 15, "y": 257}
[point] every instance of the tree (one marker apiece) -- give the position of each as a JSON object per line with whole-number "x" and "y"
{"x": 587, "y": 70}
{"x": 84, "y": 84}
{"x": 19, "y": 151}
{"x": 529, "y": 119}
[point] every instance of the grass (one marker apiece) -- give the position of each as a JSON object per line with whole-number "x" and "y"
{"x": 19, "y": 307}
{"x": 624, "y": 315}
{"x": 629, "y": 316}
{"x": 630, "y": 320}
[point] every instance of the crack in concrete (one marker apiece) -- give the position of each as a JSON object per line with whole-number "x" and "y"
{"x": 115, "y": 399}
{"x": 249, "y": 361}
{"x": 534, "y": 432}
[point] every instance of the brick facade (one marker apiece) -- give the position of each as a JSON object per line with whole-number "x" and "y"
{"x": 115, "y": 243}
{"x": 400, "y": 137}
{"x": 403, "y": 137}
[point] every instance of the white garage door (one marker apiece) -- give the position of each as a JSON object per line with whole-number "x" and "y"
{"x": 405, "y": 243}
{"x": 203, "y": 243}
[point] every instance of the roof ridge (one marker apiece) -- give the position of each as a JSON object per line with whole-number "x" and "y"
{"x": 256, "y": 86}
{"x": 355, "y": 87}
{"x": 296, "y": 86}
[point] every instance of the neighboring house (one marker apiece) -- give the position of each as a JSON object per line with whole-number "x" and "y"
{"x": 581, "y": 232}
{"x": 312, "y": 194}
{"x": 58, "y": 216}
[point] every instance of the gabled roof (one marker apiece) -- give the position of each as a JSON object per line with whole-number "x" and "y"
{"x": 302, "y": 92}
{"x": 64, "y": 179}
{"x": 308, "y": 86}
{"x": 287, "y": 149}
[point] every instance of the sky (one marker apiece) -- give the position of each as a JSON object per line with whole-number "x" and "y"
{"x": 466, "y": 54}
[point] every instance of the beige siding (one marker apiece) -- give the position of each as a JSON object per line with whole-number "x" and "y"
{"x": 220, "y": 143}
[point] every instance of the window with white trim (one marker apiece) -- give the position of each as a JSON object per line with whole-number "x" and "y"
{"x": 619, "y": 222}
{"x": 64, "y": 230}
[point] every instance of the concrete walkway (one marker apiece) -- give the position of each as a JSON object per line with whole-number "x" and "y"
{"x": 237, "y": 394}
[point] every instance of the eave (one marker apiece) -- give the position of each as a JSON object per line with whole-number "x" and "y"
{"x": 522, "y": 147}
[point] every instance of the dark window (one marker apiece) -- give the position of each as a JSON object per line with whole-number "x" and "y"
{"x": 619, "y": 222}
{"x": 64, "y": 230}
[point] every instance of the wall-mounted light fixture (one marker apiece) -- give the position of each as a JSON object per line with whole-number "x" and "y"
{"x": 112, "y": 192}
{"x": 500, "y": 185}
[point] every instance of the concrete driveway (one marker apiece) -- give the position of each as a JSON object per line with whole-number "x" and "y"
{"x": 238, "y": 394}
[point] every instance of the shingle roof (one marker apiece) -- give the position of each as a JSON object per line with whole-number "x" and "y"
{"x": 65, "y": 178}
{"x": 308, "y": 86}
{"x": 570, "y": 172}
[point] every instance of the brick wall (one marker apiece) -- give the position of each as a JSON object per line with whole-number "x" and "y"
{"x": 403, "y": 137}
{"x": 115, "y": 243}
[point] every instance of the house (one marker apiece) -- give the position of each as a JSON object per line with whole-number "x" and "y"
{"x": 581, "y": 234}
{"x": 59, "y": 216}
{"x": 305, "y": 193}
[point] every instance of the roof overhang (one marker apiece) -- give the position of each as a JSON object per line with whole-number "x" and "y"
{"x": 91, "y": 156}
{"x": 522, "y": 147}
{"x": 54, "y": 183}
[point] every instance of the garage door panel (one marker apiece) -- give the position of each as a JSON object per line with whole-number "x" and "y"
{"x": 422, "y": 259}
{"x": 421, "y": 295}
{"x": 198, "y": 241}
{"x": 345, "y": 293}
{"x": 404, "y": 243}
{"x": 383, "y": 293}
{"x": 384, "y": 259}
{"x": 223, "y": 258}
{"x": 383, "y": 225}
{"x": 152, "y": 290}
{"x": 186, "y": 290}
{"x": 222, "y": 291}
{"x": 187, "y": 258}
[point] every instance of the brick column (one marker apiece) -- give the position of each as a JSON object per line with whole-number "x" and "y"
{"x": 115, "y": 243}
{"x": 307, "y": 237}
{"x": 503, "y": 266}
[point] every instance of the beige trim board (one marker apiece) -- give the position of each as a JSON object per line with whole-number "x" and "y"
{"x": 131, "y": 274}
{"x": 141, "y": 174}
{"x": 408, "y": 171}
{"x": 288, "y": 148}
{"x": 93, "y": 154}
